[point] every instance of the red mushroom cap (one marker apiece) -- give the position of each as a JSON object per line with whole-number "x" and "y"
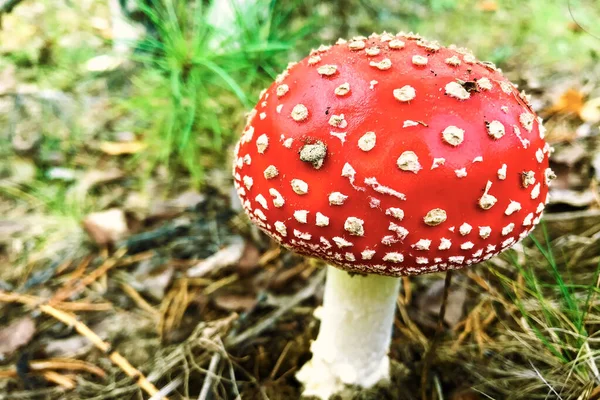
{"x": 393, "y": 155}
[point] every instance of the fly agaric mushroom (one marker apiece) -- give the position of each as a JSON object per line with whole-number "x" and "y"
{"x": 388, "y": 156}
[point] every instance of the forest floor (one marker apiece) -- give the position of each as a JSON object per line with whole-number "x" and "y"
{"x": 127, "y": 265}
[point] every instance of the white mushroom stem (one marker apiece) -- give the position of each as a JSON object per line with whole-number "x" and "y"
{"x": 354, "y": 338}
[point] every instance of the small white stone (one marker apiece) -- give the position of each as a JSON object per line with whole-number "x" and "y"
{"x": 337, "y": 198}
{"x": 495, "y": 129}
{"x": 299, "y": 186}
{"x": 453, "y": 135}
{"x": 262, "y": 143}
{"x": 513, "y": 207}
{"x": 465, "y": 229}
{"x": 405, "y": 93}
{"x": 408, "y": 161}
{"x": 322, "y": 220}
{"x": 301, "y": 216}
{"x": 395, "y": 212}
{"x": 354, "y": 226}
{"x": 484, "y": 232}
{"x": 455, "y": 89}
{"x": 367, "y": 141}
{"x": 419, "y": 60}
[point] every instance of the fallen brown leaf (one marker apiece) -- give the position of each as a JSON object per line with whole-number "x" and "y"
{"x": 234, "y": 302}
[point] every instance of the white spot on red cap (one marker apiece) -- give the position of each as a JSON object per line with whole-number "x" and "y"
{"x": 453, "y": 135}
{"x": 341, "y": 242}
{"x": 338, "y": 121}
{"x": 278, "y": 200}
{"x": 513, "y": 207}
{"x": 484, "y": 232}
{"x": 422, "y": 244}
{"x": 337, "y": 198}
{"x": 354, "y": 226}
{"x": 299, "y": 112}
{"x": 299, "y": 186}
{"x": 282, "y": 90}
{"x": 502, "y": 172}
{"x": 312, "y": 60}
{"x": 526, "y": 120}
{"x": 419, "y": 60}
{"x": 487, "y": 201}
{"x": 258, "y": 212}
{"x": 367, "y": 141}
{"x": 281, "y": 228}
{"x": 495, "y": 129}
{"x": 302, "y": 235}
{"x": 372, "y": 51}
{"x": 260, "y": 199}
{"x": 405, "y": 93}
{"x": 437, "y": 162}
{"x": 408, "y": 161}
{"x": 395, "y": 212}
{"x": 248, "y": 182}
{"x": 461, "y": 173}
{"x": 372, "y": 182}
{"x": 527, "y": 220}
{"x": 508, "y": 242}
{"x": 262, "y": 142}
{"x": 508, "y": 229}
{"x": 393, "y": 257}
{"x": 288, "y": 142}
{"x": 539, "y": 155}
{"x": 321, "y": 220}
{"x": 270, "y": 172}
{"x": 435, "y": 217}
{"x": 382, "y": 65}
{"x": 356, "y": 45}
{"x": 349, "y": 257}
{"x": 445, "y": 244}
{"x": 396, "y": 44}
{"x": 343, "y": 89}
{"x": 453, "y": 61}
{"x": 455, "y": 89}
{"x": 465, "y": 229}
{"x": 301, "y": 216}
{"x": 327, "y": 69}
{"x": 527, "y": 178}
{"x": 400, "y": 231}
{"x": 367, "y": 254}
{"x": 484, "y": 84}
{"x": 372, "y": 84}
{"x": 535, "y": 192}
